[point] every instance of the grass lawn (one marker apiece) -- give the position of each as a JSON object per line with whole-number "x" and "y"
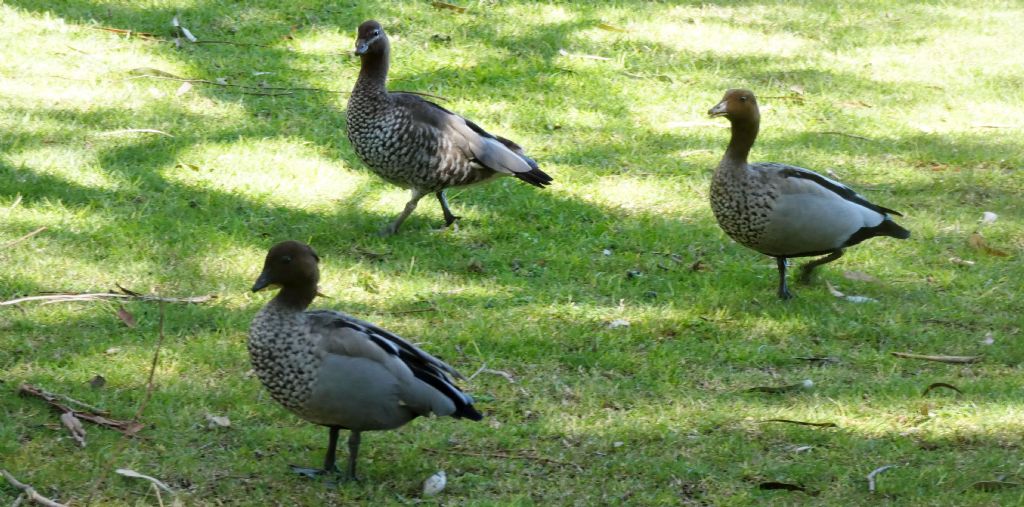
{"x": 918, "y": 105}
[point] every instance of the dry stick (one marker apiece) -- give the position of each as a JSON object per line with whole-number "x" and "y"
{"x": 23, "y": 238}
{"x": 804, "y": 423}
{"x": 940, "y": 359}
{"x": 871, "y": 476}
{"x": 128, "y": 428}
{"x": 152, "y": 368}
{"x": 855, "y": 136}
{"x": 29, "y": 491}
{"x": 98, "y": 296}
{"x": 229, "y": 85}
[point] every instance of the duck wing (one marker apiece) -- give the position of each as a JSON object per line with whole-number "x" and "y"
{"x": 493, "y": 152}
{"x": 424, "y": 379}
{"x": 790, "y": 171}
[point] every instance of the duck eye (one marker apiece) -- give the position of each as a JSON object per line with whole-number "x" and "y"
{"x": 287, "y": 259}
{"x": 375, "y": 32}
{"x": 743, "y": 98}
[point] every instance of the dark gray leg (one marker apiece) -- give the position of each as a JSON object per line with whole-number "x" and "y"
{"x": 353, "y": 454}
{"x": 807, "y": 269}
{"x": 783, "y": 289}
{"x": 449, "y": 217}
{"x": 329, "y": 458}
{"x": 410, "y": 206}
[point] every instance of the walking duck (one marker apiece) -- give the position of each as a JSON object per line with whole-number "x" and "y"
{"x": 786, "y": 211}
{"x": 335, "y": 370}
{"x": 416, "y": 144}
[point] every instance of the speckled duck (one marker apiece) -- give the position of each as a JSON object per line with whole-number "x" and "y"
{"x": 416, "y": 144}
{"x": 335, "y": 370}
{"x": 786, "y": 211}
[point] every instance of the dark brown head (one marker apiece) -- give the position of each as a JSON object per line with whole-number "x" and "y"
{"x": 371, "y": 39}
{"x": 737, "y": 105}
{"x": 290, "y": 265}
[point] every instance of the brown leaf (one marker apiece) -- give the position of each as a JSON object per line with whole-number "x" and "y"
{"x": 126, "y": 317}
{"x": 859, "y": 276}
{"x": 74, "y": 426}
{"x": 940, "y": 384}
{"x": 443, "y": 5}
{"x": 977, "y": 242}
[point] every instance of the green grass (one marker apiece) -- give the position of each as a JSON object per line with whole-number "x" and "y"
{"x": 653, "y": 413}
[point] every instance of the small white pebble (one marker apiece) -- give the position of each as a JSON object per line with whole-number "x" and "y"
{"x": 617, "y": 444}
{"x": 988, "y": 217}
{"x": 808, "y": 383}
{"x": 606, "y": 251}
{"x": 617, "y": 323}
{"x": 435, "y": 484}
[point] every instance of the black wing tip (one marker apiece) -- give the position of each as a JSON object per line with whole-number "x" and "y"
{"x": 895, "y": 230}
{"x": 536, "y": 177}
{"x": 467, "y": 412}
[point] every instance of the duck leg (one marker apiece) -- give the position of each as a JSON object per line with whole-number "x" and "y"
{"x": 783, "y": 289}
{"x": 329, "y": 458}
{"x": 449, "y": 217}
{"x": 353, "y": 453}
{"x": 807, "y": 269}
{"x": 410, "y": 206}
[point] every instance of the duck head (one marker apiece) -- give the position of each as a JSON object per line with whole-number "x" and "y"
{"x": 737, "y": 105}
{"x": 290, "y": 265}
{"x": 371, "y": 39}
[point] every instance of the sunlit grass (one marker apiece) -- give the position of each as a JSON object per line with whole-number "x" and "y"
{"x": 918, "y": 106}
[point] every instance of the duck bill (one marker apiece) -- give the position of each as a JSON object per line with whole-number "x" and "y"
{"x": 262, "y": 282}
{"x": 362, "y": 47}
{"x": 718, "y": 110}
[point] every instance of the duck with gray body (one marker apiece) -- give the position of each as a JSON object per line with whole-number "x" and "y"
{"x": 416, "y": 144}
{"x": 786, "y": 211}
{"x": 335, "y": 370}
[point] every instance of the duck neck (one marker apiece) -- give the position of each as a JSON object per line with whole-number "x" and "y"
{"x": 373, "y": 75}
{"x": 295, "y": 298}
{"x": 744, "y": 133}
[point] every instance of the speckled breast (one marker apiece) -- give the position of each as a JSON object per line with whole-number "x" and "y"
{"x": 741, "y": 206}
{"x": 390, "y": 143}
{"x": 283, "y": 360}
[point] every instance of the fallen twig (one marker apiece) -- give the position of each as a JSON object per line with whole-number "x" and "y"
{"x": 871, "y": 476}
{"x": 940, "y": 384}
{"x": 152, "y": 368}
{"x": 99, "y": 296}
{"x": 940, "y": 359}
{"x": 143, "y": 35}
{"x": 128, "y": 428}
{"x": 505, "y": 456}
{"x": 804, "y": 423}
{"x": 844, "y": 134}
{"x": 23, "y": 238}
{"x": 156, "y": 482}
{"x": 484, "y": 369}
{"x": 29, "y": 491}
{"x": 135, "y": 131}
{"x": 243, "y": 44}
